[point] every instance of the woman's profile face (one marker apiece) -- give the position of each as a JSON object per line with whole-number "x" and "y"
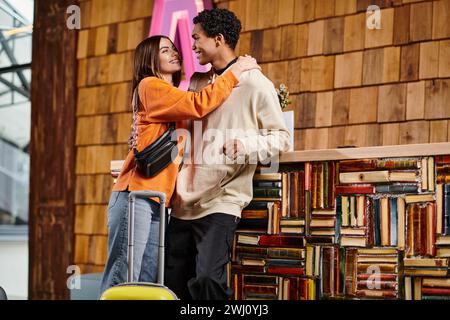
{"x": 169, "y": 58}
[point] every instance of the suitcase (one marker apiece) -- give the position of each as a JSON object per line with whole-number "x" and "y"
{"x": 142, "y": 290}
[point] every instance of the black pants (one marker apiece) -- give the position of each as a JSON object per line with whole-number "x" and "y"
{"x": 197, "y": 253}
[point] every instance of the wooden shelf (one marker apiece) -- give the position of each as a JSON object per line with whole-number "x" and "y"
{"x": 407, "y": 150}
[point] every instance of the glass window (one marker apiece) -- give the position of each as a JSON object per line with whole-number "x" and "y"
{"x": 16, "y": 18}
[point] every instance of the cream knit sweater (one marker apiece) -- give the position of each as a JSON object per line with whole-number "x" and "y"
{"x": 208, "y": 182}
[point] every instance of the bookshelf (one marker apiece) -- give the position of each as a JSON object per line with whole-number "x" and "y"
{"x": 350, "y": 223}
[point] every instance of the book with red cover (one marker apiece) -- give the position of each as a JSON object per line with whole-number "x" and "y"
{"x": 351, "y": 190}
{"x": 442, "y": 159}
{"x": 238, "y": 268}
{"x": 281, "y": 241}
{"x": 298, "y": 271}
{"x": 436, "y": 291}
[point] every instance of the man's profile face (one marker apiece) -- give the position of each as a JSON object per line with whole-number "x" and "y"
{"x": 204, "y": 47}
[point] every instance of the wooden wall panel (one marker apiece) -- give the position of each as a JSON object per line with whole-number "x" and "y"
{"x": 409, "y": 65}
{"x": 444, "y": 58}
{"x": 383, "y": 36}
{"x": 324, "y": 107}
{"x": 441, "y": 17}
{"x": 413, "y": 132}
{"x": 392, "y": 103}
{"x": 354, "y": 32}
{"x": 333, "y": 35}
{"x": 363, "y": 105}
{"x": 343, "y": 7}
{"x": 304, "y": 10}
{"x": 348, "y": 70}
{"x": 438, "y": 131}
{"x": 415, "y": 100}
{"x": 390, "y": 134}
{"x": 421, "y": 21}
{"x": 401, "y": 24}
{"x": 341, "y": 104}
{"x": 322, "y": 73}
{"x": 315, "y": 39}
{"x": 429, "y": 59}
{"x": 437, "y": 97}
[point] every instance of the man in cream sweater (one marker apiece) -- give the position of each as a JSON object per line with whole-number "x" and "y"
{"x": 215, "y": 181}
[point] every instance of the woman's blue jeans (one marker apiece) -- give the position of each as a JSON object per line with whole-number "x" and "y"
{"x": 146, "y": 240}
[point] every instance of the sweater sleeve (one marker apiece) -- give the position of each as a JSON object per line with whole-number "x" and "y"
{"x": 273, "y": 136}
{"x": 163, "y": 102}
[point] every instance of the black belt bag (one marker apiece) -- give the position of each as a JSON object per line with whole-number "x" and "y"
{"x": 158, "y": 155}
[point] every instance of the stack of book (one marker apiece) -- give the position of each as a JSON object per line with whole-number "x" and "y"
{"x": 271, "y": 287}
{"x": 293, "y": 202}
{"x": 443, "y": 169}
{"x": 421, "y": 227}
{"x": 264, "y": 211}
{"x": 373, "y": 273}
{"x": 425, "y": 267}
{"x": 436, "y": 289}
{"x": 353, "y": 229}
{"x": 443, "y": 246}
{"x": 271, "y": 254}
{"x": 332, "y": 272}
{"x": 427, "y": 288}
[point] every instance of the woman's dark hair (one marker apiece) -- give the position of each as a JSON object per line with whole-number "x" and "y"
{"x": 222, "y": 21}
{"x": 146, "y": 61}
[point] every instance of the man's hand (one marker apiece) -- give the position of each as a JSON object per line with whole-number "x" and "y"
{"x": 233, "y": 148}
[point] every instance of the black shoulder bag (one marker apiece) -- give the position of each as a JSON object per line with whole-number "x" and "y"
{"x": 158, "y": 155}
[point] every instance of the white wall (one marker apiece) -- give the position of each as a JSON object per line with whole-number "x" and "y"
{"x": 14, "y": 268}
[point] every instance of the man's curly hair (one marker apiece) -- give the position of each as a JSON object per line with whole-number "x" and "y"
{"x": 222, "y": 21}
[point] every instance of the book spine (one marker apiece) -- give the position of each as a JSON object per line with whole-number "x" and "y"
{"x": 325, "y": 187}
{"x": 409, "y": 230}
{"x": 423, "y": 230}
{"x": 394, "y": 222}
{"x": 376, "y": 222}
{"x": 338, "y": 219}
{"x": 331, "y": 184}
{"x": 301, "y": 194}
{"x": 347, "y": 190}
{"x": 447, "y": 209}
{"x": 370, "y": 222}
{"x": 314, "y": 186}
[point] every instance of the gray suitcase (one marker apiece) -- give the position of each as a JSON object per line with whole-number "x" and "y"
{"x": 142, "y": 290}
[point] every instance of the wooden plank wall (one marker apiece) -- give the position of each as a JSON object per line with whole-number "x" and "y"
{"x": 349, "y": 85}
{"x": 110, "y": 30}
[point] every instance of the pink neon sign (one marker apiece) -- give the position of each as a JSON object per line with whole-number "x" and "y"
{"x": 173, "y": 18}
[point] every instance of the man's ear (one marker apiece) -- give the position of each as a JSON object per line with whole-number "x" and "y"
{"x": 220, "y": 39}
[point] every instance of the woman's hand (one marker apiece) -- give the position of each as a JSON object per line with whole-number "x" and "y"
{"x": 244, "y": 63}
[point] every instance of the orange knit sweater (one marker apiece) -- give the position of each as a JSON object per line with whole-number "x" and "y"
{"x": 159, "y": 104}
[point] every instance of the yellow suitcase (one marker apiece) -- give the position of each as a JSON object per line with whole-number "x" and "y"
{"x": 143, "y": 290}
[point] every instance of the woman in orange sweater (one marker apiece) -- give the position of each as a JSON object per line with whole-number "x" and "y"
{"x": 157, "y": 73}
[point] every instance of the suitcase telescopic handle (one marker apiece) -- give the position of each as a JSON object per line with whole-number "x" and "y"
{"x": 162, "y": 228}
